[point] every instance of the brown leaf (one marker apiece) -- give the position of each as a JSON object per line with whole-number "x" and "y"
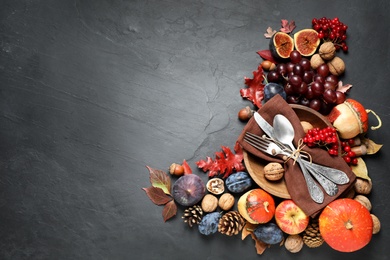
{"x": 247, "y": 230}
{"x": 372, "y": 147}
{"x": 259, "y": 245}
{"x": 169, "y": 210}
{"x": 343, "y": 88}
{"x": 157, "y": 195}
{"x": 269, "y": 32}
{"x": 160, "y": 179}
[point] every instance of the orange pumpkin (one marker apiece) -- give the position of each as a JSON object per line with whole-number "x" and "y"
{"x": 256, "y": 206}
{"x": 346, "y": 225}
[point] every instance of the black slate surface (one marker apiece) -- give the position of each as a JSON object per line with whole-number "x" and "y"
{"x": 93, "y": 91}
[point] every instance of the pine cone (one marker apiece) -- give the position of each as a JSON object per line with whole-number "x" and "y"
{"x": 311, "y": 236}
{"x": 231, "y": 223}
{"x": 193, "y": 215}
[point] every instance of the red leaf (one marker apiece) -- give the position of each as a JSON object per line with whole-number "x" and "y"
{"x": 267, "y": 55}
{"x": 255, "y": 90}
{"x": 169, "y": 210}
{"x": 343, "y": 88}
{"x": 225, "y": 162}
{"x": 157, "y": 195}
{"x": 159, "y": 179}
{"x": 287, "y": 27}
{"x": 187, "y": 168}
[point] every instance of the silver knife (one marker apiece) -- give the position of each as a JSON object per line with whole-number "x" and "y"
{"x": 264, "y": 125}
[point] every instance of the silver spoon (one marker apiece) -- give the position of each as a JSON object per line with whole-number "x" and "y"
{"x": 284, "y": 133}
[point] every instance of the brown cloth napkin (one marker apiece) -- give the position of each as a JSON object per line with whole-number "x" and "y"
{"x": 294, "y": 179}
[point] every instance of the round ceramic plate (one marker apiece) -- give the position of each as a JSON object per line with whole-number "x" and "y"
{"x": 255, "y": 165}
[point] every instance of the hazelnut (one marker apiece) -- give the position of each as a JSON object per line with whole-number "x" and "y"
{"x": 226, "y": 201}
{"x": 377, "y": 224}
{"x": 209, "y": 203}
{"x": 216, "y": 186}
{"x": 316, "y": 61}
{"x": 245, "y": 113}
{"x": 294, "y": 243}
{"x": 327, "y": 51}
{"x": 363, "y": 186}
{"x": 176, "y": 169}
{"x": 336, "y": 66}
{"x": 273, "y": 171}
{"x": 268, "y": 65}
{"x": 364, "y": 201}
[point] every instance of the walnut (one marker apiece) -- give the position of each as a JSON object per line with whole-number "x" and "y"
{"x": 327, "y": 51}
{"x": 363, "y": 186}
{"x": 377, "y": 224}
{"x": 294, "y": 243}
{"x": 209, "y": 203}
{"x": 226, "y": 201}
{"x": 336, "y": 66}
{"x": 316, "y": 61}
{"x": 273, "y": 171}
{"x": 364, "y": 201}
{"x": 216, "y": 186}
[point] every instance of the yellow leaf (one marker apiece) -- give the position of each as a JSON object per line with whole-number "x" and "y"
{"x": 360, "y": 169}
{"x": 372, "y": 147}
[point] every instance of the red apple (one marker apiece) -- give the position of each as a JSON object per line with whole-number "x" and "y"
{"x": 290, "y": 218}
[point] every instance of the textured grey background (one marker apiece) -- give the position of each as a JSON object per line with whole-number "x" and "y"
{"x": 92, "y": 91}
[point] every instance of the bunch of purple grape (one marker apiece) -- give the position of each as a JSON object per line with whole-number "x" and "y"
{"x": 303, "y": 85}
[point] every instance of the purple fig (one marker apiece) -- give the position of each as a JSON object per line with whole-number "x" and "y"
{"x": 188, "y": 190}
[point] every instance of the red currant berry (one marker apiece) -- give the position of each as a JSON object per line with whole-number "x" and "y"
{"x": 347, "y": 159}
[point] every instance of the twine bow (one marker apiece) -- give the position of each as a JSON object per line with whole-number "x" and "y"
{"x": 295, "y": 154}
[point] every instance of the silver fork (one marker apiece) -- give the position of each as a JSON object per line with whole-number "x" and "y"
{"x": 270, "y": 147}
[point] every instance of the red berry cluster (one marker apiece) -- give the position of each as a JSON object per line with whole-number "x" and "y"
{"x": 348, "y": 155}
{"x": 331, "y": 30}
{"x": 325, "y": 137}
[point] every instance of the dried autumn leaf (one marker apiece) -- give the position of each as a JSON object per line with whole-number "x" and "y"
{"x": 255, "y": 90}
{"x": 247, "y": 230}
{"x": 267, "y": 55}
{"x": 169, "y": 210}
{"x": 343, "y": 88}
{"x": 269, "y": 32}
{"x": 157, "y": 195}
{"x": 287, "y": 27}
{"x": 259, "y": 245}
{"x": 372, "y": 147}
{"x": 224, "y": 163}
{"x": 360, "y": 169}
{"x": 159, "y": 179}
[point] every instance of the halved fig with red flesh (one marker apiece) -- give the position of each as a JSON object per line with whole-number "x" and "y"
{"x": 281, "y": 45}
{"x": 306, "y": 42}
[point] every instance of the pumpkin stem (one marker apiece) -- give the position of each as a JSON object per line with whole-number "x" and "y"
{"x": 266, "y": 204}
{"x": 377, "y": 118}
{"x": 348, "y": 225}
